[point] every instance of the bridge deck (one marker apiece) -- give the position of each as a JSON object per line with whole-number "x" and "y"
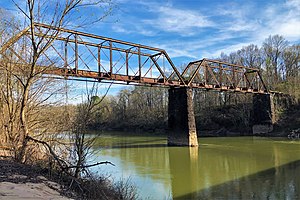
{"x": 124, "y": 79}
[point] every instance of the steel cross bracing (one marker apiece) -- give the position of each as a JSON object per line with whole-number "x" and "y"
{"x": 82, "y": 56}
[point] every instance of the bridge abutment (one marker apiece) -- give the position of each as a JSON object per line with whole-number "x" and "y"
{"x": 263, "y": 113}
{"x": 181, "y": 118}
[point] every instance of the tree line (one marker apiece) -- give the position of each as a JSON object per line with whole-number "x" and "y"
{"x": 145, "y": 108}
{"x": 277, "y": 60}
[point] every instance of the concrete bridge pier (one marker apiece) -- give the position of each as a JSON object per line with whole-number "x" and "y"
{"x": 181, "y": 118}
{"x": 263, "y": 113}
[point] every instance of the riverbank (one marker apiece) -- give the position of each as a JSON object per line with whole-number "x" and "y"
{"x": 287, "y": 123}
{"x": 222, "y": 121}
{"x": 222, "y": 132}
{"x": 21, "y": 181}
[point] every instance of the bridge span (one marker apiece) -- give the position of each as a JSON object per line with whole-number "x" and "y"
{"x": 77, "y": 55}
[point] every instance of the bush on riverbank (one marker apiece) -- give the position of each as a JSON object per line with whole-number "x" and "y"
{"x": 89, "y": 187}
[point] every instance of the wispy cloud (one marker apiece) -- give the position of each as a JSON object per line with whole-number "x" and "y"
{"x": 224, "y": 49}
{"x": 162, "y": 18}
{"x": 285, "y": 20}
{"x": 238, "y": 18}
{"x": 134, "y": 29}
{"x": 192, "y": 49}
{"x": 293, "y": 4}
{"x": 250, "y": 24}
{"x": 205, "y": 32}
{"x": 181, "y": 21}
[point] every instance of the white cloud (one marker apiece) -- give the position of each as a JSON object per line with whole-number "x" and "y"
{"x": 227, "y": 50}
{"x": 239, "y": 26}
{"x": 134, "y": 28}
{"x": 233, "y": 17}
{"x": 282, "y": 19}
{"x": 290, "y": 29}
{"x": 194, "y": 49}
{"x": 118, "y": 28}
{"x": 183, "y": 22}
{"x": 255, "y": 24}
{"x": 294, "y": 4}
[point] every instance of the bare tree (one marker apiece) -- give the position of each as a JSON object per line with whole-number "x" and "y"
{"x": 250, "y": 56}
{"x": 291, "y": 59}
{"x": 82, "y": 141}
{"x": 273, "y": 49}
{"x": 30, "y": 55}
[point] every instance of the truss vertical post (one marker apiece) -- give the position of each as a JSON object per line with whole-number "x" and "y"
{"x": 66, "y": 57}
{"x": 99, "y": 59}
{"x": 110, "y": 58}
{"x": 205, "y": 74}
{"x": 220, "y": 75}
{"x": 76, "y": 53}
{"x": 257, "y": 81}
{"x": 127, "y": 70}
{"x": 151, "y": 68}
{"x": 140, "y": 62}
{"x": 233, "y": 77}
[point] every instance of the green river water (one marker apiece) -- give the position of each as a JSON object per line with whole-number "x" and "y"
{"x": 220, "y": 168}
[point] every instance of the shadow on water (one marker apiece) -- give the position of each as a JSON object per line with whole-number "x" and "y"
{"x": 139, "y": 144}
{"x": 280, "y": 182}
{"x": 127, "y": 146}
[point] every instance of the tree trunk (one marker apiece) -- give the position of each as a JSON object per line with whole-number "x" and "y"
{"x": 23, "y": 122}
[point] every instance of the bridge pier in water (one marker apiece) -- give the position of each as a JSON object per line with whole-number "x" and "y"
{"x": 263, "y": 113}
{"x": 181, "y": 118}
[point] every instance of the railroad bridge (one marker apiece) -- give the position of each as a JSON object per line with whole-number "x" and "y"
{"x": 77, "y": 55}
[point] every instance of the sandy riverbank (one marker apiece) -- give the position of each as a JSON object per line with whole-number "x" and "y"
{"x": 19, "y": 181}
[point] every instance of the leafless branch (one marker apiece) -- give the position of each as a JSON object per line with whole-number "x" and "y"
{"x": 92, "y": 165}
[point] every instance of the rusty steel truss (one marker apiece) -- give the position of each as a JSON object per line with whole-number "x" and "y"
{"x": 82, "y": 56}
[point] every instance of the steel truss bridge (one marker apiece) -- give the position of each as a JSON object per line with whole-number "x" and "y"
{"x": 82, "y": 56}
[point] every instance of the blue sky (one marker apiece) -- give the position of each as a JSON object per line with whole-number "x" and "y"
{"x": 191, "y": 30}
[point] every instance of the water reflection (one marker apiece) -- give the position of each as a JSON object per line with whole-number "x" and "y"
{"x": 280, "y": 183}
{"x": 226, "y": 168}
{"x": 184, "y": 171}
{"x": 144, "y": 160}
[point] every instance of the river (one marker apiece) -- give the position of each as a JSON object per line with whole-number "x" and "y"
{"x": 220, "y": 168}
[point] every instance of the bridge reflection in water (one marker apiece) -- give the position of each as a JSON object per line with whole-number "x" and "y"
{"x": 226, "y": 168}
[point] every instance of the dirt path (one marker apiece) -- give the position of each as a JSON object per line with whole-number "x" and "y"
{"x": 19, "y": 181}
